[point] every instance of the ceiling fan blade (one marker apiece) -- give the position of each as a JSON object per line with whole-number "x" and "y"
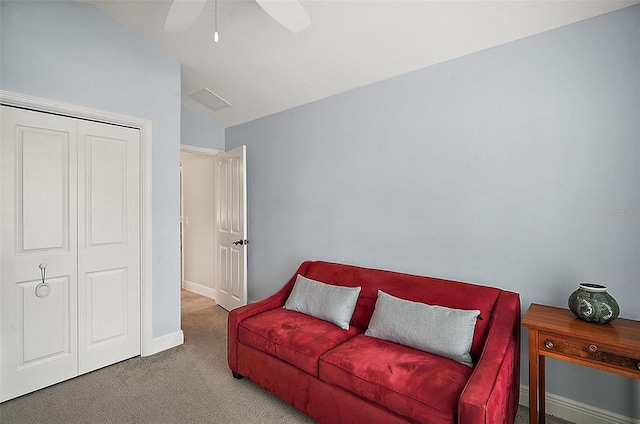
{"x": 288, "y": 13}
{"x": 182, "y": 14}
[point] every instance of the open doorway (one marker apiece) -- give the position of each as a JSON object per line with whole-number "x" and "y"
{"x": 198, "y": 220}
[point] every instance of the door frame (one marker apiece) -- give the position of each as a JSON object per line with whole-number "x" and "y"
{"x": 144, "y": 127}
{"x": 206, "y": 152}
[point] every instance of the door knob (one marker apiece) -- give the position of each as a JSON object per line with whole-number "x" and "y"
{"x": 241, "y": 242}
{"x": 43, "y": 289}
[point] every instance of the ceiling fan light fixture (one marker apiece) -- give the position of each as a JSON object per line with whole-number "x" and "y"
{"x": 215, "y": 21}
{"x": 182, "y": 14}
{"x": 288, "y": 13}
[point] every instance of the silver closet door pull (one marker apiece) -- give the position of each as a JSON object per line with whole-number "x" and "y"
{"x": 43, "y": 289}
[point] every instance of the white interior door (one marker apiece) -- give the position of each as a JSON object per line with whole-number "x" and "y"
{"x": 70, "y": 195}
{"x": 181, "y": 225}
{"x": 232, "y": 228}
{"x": 108, "y": 244}
{"x": 38, "y": 224}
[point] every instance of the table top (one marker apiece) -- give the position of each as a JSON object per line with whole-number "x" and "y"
{"x": 621, "y": 332}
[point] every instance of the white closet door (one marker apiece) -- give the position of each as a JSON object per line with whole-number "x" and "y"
{"x": 108, "y": 244}
{"x": 38, "y": 226}
{"x": 70, "y": 193}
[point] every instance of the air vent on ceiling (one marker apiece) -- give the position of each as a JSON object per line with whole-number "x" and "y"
{"x": 210, "y": 99}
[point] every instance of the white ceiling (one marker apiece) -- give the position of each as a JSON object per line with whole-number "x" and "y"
{"x": 261, "y": 68}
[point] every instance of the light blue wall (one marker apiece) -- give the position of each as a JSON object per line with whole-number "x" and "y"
{"x": 74, "y": 53}
{"x": 200, "y": 131}
{"x": 507, "y": 167}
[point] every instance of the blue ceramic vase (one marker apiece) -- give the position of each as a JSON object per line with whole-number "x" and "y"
{"x": 592, "y": 303}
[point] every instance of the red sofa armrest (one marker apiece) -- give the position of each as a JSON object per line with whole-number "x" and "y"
{"x": 236, "y": 316}
{"x": 492, "y": 393}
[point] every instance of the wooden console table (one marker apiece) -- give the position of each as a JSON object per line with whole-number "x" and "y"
{"x": 557, "y": 333}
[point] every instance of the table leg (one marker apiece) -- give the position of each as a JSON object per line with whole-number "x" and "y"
{"x": 542, "y": 413}
{"x": 533, "y": 376}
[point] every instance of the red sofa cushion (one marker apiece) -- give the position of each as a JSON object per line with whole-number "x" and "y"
{"x": 294, "y": 337}
{"x": 429, "y": 290}
{"x": 404, "y": 380}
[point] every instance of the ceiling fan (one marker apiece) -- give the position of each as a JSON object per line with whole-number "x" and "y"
{"x": 288, "y": 13}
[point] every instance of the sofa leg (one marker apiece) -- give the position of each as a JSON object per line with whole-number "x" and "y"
{"x": 237, "y": 375}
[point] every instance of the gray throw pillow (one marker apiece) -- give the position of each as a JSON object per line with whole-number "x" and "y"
{"x": 327, "y": 302}
{"x": 435, "y": 329}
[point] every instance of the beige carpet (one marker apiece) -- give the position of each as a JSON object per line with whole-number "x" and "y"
{"x": 187, "y": 384}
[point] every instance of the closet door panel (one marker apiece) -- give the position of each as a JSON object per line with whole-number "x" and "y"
{"x": 109, "y": 245}
{"x": 106, "y": 191}
{"x": 38, "y": 319}
{"x": 43, "y": 185}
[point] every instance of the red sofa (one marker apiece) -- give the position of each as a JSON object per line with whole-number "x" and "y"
{"x": 342, "y": 376}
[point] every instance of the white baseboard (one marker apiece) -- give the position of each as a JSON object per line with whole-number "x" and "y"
{"x": 200, "y": 289}
{"x": 576, "y": 412}
{"x": 165, "y": 342}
